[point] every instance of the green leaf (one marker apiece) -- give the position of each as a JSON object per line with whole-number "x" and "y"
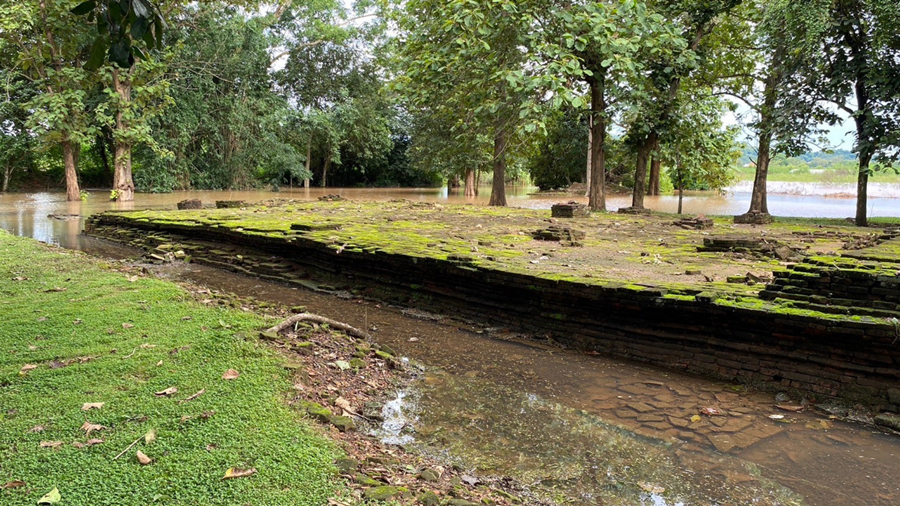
{"x": 149, "y": 40}
{"x": 139, "y": 28}
{"x": 52, "y": 497}
{"x": 140, "y": 9}
{"x": 84, "y": 8}
{"x": 120, "y": 54}
{"x": 98, "y": 52}
{"x": 158, "y": 25}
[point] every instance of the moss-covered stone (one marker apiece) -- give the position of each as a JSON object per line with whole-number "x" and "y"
{"x": 429, "y": 498}
{"x": 366, "y": 480}
{"x": 383, "y": 493}
{"x": 343, "y": 423}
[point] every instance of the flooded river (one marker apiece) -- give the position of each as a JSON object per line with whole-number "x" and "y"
{"x": 583, "y": 429}
{"x": 26, "y": 213}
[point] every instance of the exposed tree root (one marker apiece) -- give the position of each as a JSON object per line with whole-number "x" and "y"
{"x": 310, "y": 317}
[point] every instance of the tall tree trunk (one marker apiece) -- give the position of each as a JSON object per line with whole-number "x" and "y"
{"x": 498, "y": 187}
{"x": 640, "y": 171}
{"x": 477, "y": 181}
{"x": 308, "y": 160}
{"x": 325, "y": 170}
{"x": 862, "y": 189}
{"x": 7, "y": 173}
{"x": 758, "y": 200}
{"x": 597, "y": 183}
{"x": 590, "y": 155}
{"x": 680, "y": 194}
{"x": 758, "y": 197}
{"x": 100, "y": 146}
{"x": 123, "y": 184}
{"x": 655, "y": 169}
{"x": 73, "y": 193}
{"x": 470, "y": 182}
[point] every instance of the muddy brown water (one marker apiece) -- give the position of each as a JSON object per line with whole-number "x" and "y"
{"x": 26, "y": 214}
{"x": 582, "y": 429}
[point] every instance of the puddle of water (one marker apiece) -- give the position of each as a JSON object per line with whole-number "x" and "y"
{"x": 571, "y": 455}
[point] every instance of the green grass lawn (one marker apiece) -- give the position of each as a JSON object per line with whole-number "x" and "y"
{"x": 97, "y": 337}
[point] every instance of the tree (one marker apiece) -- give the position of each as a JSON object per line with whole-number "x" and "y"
{"x": 465, "y": 58}
{"x": 653, "y": 116}
{"x": 127, "y": 31}
{"x": 782, "y": 124}
{"x": 610, "y": 41}
{"x": 49, "y": 52}
{"x": 558, "y": 160}
{"x": 701, "y": 152}
{"x": 231, "y": 129}
{"x": 848, "y": 54}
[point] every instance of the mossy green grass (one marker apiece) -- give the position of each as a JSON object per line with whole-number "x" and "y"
{"x": 96, "y": 336}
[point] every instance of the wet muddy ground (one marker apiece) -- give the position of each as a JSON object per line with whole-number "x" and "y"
{"x": 591, "y": 429}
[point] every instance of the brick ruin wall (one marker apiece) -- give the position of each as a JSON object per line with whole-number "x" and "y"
{"x": 856, "y": 361}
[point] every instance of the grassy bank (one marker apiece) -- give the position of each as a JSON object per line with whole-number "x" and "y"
{"x": 73, "y": 332}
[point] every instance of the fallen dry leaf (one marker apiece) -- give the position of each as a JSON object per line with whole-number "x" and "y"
{"x": 127, "y": 325}
{"x": 51, "y": 444}
{"x": 13, "y": 484}
{"x": 92, "y": 405}
{"x": 131, "y": 279}
{"x": 56, "y": 289}
{"x": 168, "y": 391}
{"x": 194, "y": 396}
{"x": 234, "y": 472}
{"x": 89, "y": 427}
{"x": 159, "y": 363}
{"x": 51, "y": 497}
{"x": 146, "y": 346}
{"x": 94, "y": 441}
{"x": 36, "y": 428}
{"x": 150, "y": 436}
{"x": 230, "y": 374}
{"x": 788, "y": 407}
{"x": 710, "y": 411}
{"x": 27, "y": 367}
{"x": 343, "y": 404}
{"x": 78, "y": 445}
{"x": 142, "y": 458}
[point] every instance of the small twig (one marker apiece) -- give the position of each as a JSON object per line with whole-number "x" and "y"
{"x": 130, "y": 354}
{"x": 353, "y": 331}
{"x": 129, "y": 447}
